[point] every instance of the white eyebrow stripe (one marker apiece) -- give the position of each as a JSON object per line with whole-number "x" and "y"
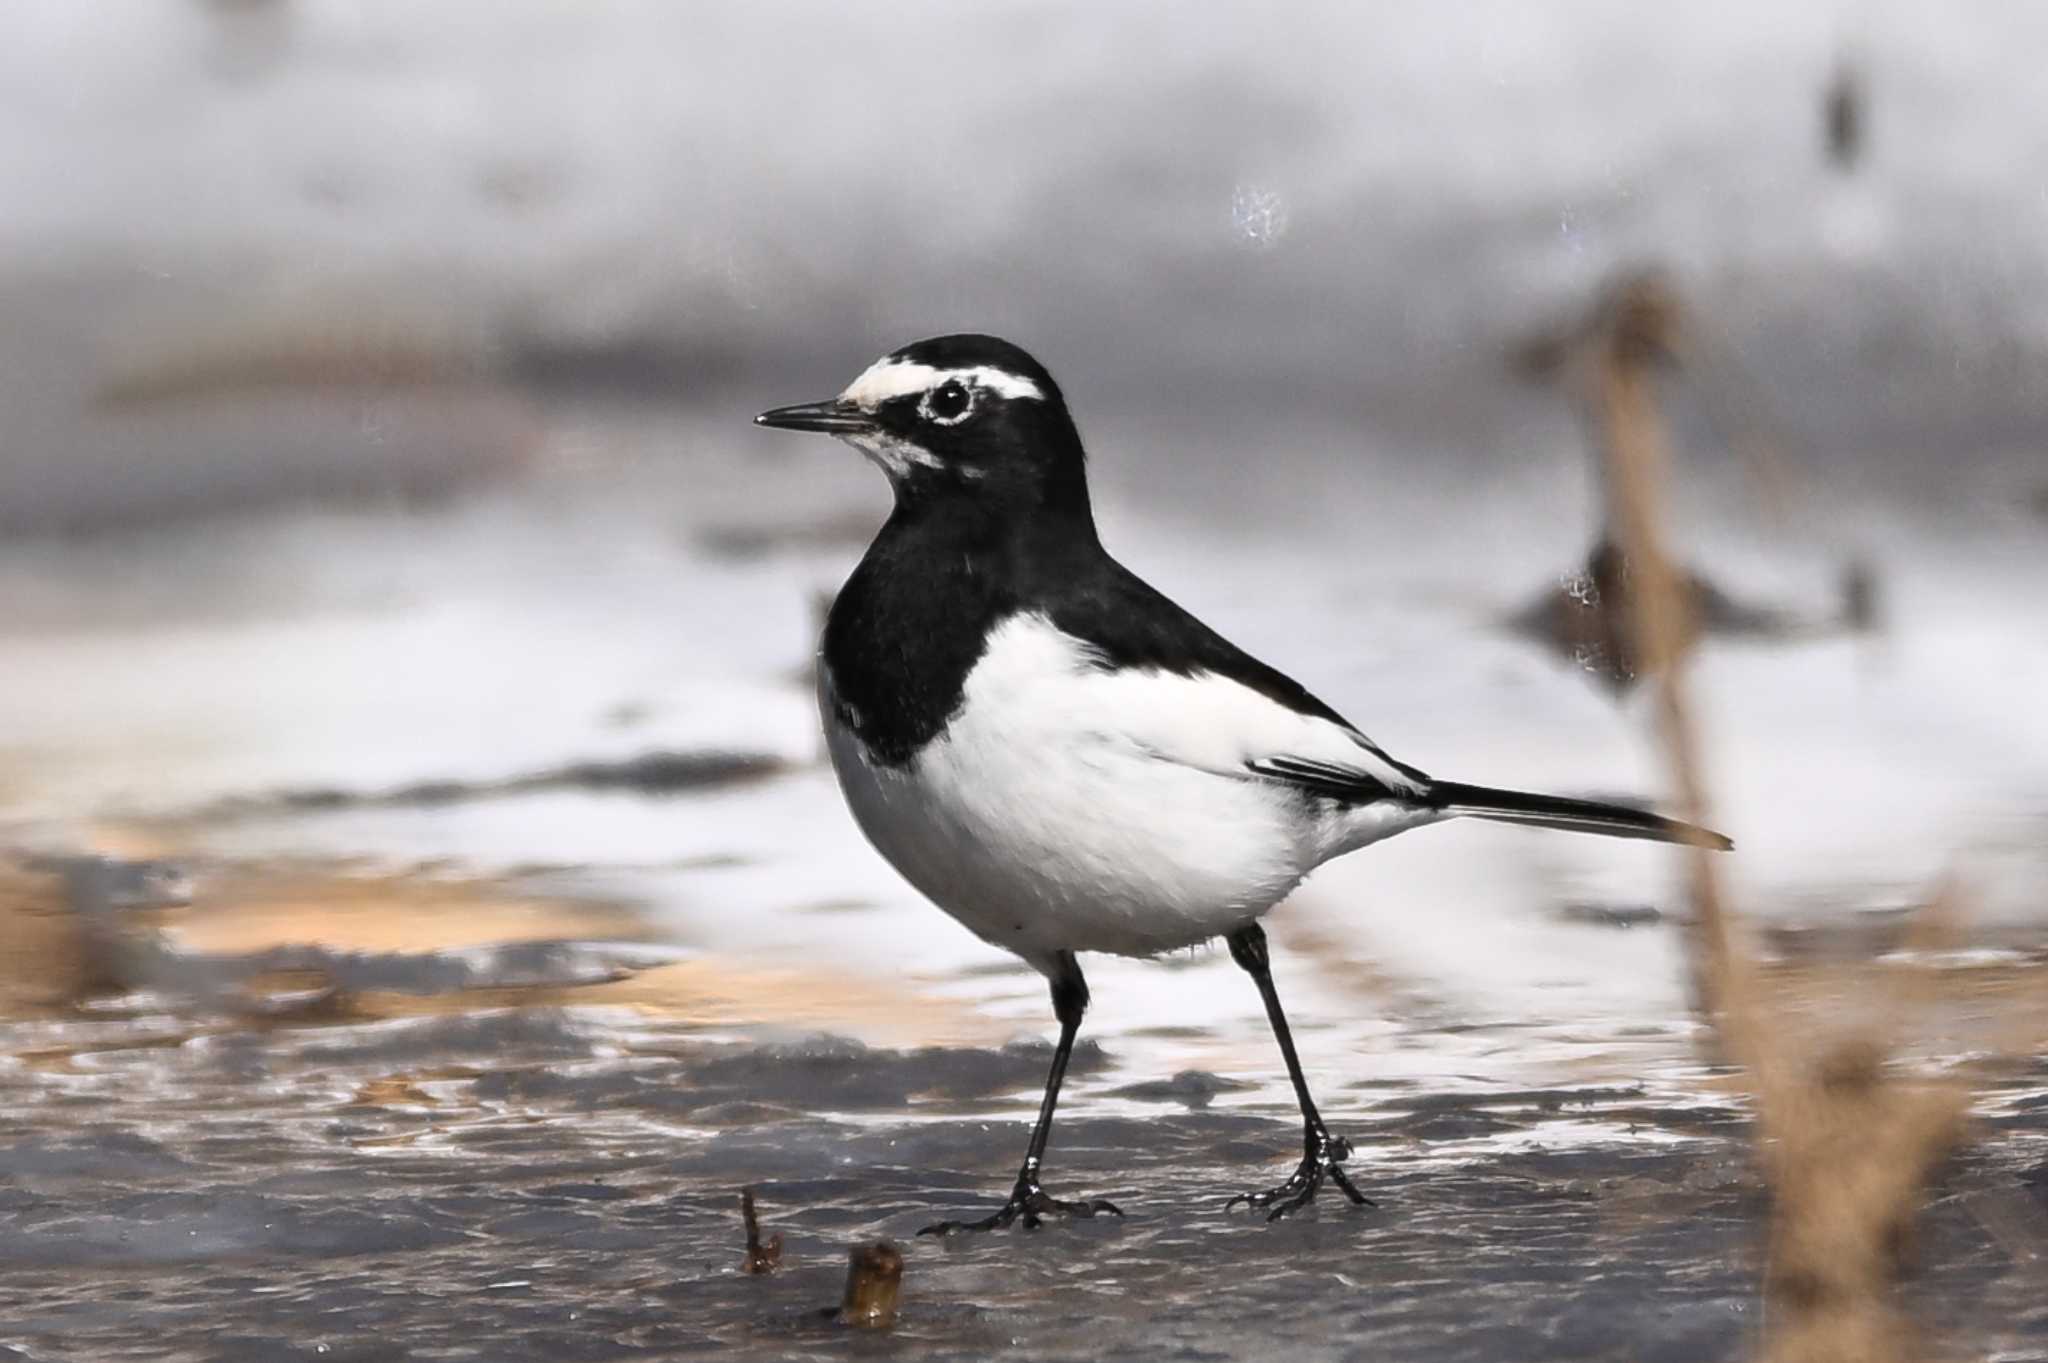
{"x": 887, "y": 379}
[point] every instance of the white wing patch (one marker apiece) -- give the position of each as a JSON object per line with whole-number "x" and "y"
{"x": 1205, "y": 721}
{"x": 892, "y": 378}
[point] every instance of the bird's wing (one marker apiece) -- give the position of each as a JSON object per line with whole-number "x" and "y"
{"x": 1225, "y": 727}
{"x": 1184, "y": 693}
{"x": 1151, "y": 674}
{"x": 1218, "y": 724}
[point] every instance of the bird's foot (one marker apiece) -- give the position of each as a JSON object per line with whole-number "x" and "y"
{"x": 1323, "y": 1157}
{"x": 1029, "y": 1204}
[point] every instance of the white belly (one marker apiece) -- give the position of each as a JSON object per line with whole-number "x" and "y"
{"x": 1065, "y": 843}
{"x": 1040, "y": 823}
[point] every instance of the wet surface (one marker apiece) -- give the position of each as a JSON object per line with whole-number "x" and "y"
{"x": 385, "y": 986}
{"x": 444, "y": 1009}
{"x": 548, "y": 1183}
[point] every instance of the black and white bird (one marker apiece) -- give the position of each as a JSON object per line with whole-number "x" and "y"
{"x": 1062, "y": 758}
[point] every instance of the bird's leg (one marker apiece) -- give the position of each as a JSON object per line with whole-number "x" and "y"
{"x": 1323, "y": 1154}
{"x": 1029, "y": 1202}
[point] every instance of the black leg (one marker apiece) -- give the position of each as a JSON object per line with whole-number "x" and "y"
{"x": 1323, "y": 1155}
{"x": 1028, "y": 1201}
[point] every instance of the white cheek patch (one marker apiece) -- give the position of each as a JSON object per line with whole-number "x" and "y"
{"x": 893, "y": 378}
{"x": 895, "y": 456}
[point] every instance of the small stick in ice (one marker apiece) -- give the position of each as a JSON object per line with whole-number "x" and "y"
{"x": 762, "y": 1256}
{"x": 874, "y": 1277}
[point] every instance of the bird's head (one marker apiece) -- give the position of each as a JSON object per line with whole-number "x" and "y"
{"x": 957, "y": 416}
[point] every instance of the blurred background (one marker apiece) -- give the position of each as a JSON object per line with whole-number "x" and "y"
{"x": 403, "y": 627}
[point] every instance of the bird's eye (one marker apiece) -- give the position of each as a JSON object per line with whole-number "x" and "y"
{"x": 949, "y": 403}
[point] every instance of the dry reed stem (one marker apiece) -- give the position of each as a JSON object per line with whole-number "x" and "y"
{"x": 1723, "y": 983}
{"x": 1844, "y": 1147}
{"x": 762, "y": 1256}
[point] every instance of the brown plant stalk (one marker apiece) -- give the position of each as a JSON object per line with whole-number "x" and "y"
{"x": 1845, "y": 1146}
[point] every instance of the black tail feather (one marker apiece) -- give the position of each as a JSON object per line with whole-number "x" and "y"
{"x": 1559, "y": 811}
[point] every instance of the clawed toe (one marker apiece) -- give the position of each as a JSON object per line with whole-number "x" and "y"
{"x": 1323, "y": 1159}
{"x": 1030, "y": 1206}
{"x": 1297, "y": 1192}
{"x": 1343, "y": 1181}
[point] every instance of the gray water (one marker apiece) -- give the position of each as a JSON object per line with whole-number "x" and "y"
{"x": 561, "y": 1184}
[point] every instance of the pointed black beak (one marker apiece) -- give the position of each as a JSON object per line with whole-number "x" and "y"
{"x": 834, "y": 417}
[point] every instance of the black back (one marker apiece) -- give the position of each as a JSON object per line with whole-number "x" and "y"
{"x": 959, "y": 556}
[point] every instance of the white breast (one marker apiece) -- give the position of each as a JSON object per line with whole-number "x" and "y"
{"x": 1070, "y": 807}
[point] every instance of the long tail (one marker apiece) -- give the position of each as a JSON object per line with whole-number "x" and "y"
{"x": 1558, "y": 811}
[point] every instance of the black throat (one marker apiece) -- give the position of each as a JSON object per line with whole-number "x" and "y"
{"x": 950, "y": 565}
